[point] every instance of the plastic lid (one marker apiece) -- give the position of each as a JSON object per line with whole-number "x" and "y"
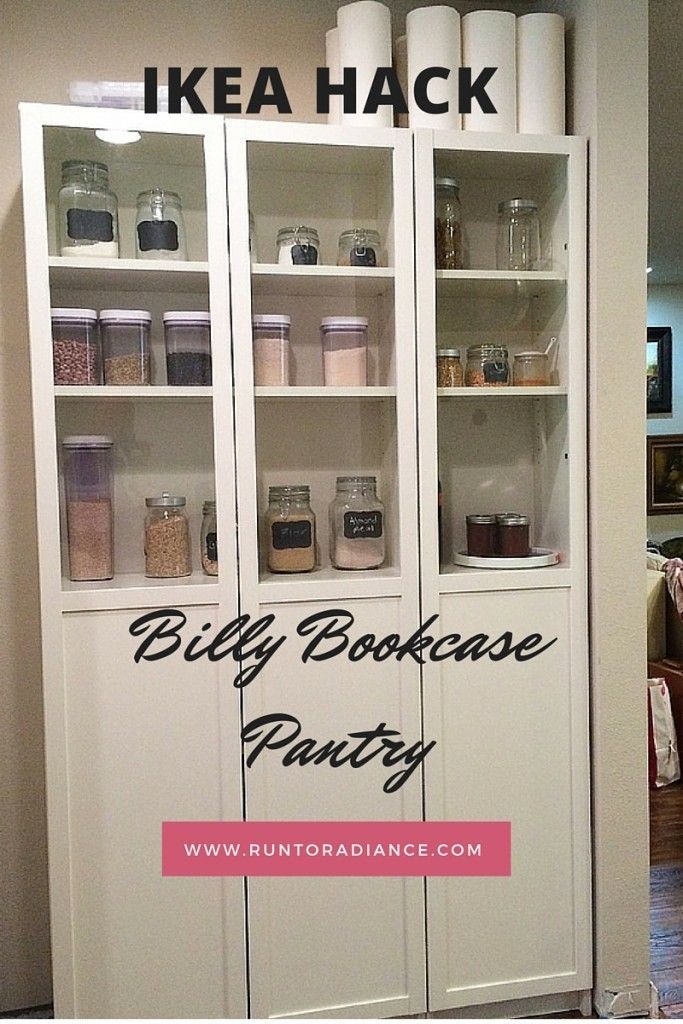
{"x": 517, "y": 204}
{"x": 87, "y": 441}
{"x": 271, "y": 320}
{"x": 72, "y": 313}
{"x": 125, "y": 315}
{"x": 184, "y": 316}
{"x": 447, "y": 182}
{"x": 165, "y": 500}
{"x": 342, "y": 323}
{"x": 448, "y": 352}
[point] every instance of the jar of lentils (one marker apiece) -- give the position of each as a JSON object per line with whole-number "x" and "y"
{"x": 75, "y": 346}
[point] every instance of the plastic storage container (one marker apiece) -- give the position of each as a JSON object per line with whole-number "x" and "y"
{"x": 531, "y": 370}
{"x": 290, "y": 526}
{"x": 76, "y": 353}
{"x": 88, "y": 490}
{"x": 87, "y": 211}
{"x": 487, "y": 366}
{"x": 518, "y": 245}
{"x": 357, "y": 539}
{"x": 360, "y": 247}
{"x": 125, "y": 346}
{"x": 159, "y": 226}
{"x": 448, "y": 227}
{"x": 209, "y": 539}
{"x": 271, "y": 349}
{"x": 481, "y": 536}
{"x": 449, "y": 372}
{"x": 187, "y": 337}
{"x": 345, "y": 351}
{"x": 298, "y": 246}
{"x": 167, "y": 537}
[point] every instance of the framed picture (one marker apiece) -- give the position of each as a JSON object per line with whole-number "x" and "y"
{"x": 665, "y": 474}
{"x": 658, "y": 369}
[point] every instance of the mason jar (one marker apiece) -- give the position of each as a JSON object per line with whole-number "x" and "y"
{"x": 88, "y": 490}
{"x": 487, "y": 366}
{"x": 360, "y": 247}
{"x": 298, "y": 246}
{"x": 531, "y": 370}
{"x": 87, "y": 210}
{"x": 159, "y": 226}
{"x": 167, "y": 537}
{"x": 518, "y": 245}
{"x": 357, "y": 536}
{"x": 448, "y": 225}
{"x": 209, "y": 539}
{"x": 290, "y": 527}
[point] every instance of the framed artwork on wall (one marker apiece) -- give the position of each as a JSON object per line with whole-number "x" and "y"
{"x": 658, "y": 369}
{"x": 664, "y": 474}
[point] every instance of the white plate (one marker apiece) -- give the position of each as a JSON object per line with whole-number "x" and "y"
{"x": 538, "y": 558}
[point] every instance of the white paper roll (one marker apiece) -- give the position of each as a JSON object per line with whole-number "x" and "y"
{"x": 334, "y": 64}
{"x": 488, "y": 41}
{"x": 365, "y": 44}
{"x": 401, "y": 66}
{"x": 433, "y": 35}
{"x": 540, "y": 74}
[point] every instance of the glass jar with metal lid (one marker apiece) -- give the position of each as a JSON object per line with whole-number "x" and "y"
{"x": 481, "y": 536}
{"x": 360, "y": 247}
{"x": 159, "y": 226}
{"x": 448, "y": 227}
{"x": 167, "y": 537}
{"x": 357, "y": 536}
{"x": 209, "y": 539}
{"x": 531, "y": 370}
{"x": 87, "y": 211}
{"x": 290, "y": 528}
{"x": 487, "y": 366}
{"x": 513, "y": 535}
{"x": 518, "y": 245}
{"x": 298, "y": 246}
{"x": 449, "y": 373}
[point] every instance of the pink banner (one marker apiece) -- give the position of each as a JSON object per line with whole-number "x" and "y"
{"x": 383, "y": 848}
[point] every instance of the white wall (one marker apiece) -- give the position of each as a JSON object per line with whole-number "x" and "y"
{"x": 665, "y": 309}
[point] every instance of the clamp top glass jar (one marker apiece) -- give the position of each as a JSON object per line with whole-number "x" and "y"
{"x": 487, "y": 366}
{"x": 298, "y": 246}
{"x": 290, "y": 527}
{"x": 518, "y": 244}
{"x": 360, "y": 247}
{"x": 159, "y": 226}
{"x": 357, "y": 524}
{"x": 447, "y": 228}
{"x": 87, "y": 211}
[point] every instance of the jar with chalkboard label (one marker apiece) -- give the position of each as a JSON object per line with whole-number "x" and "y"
{"x": 290, "y": 529}
{"x": 209, "y": 539}
{"x": 488, "y": 366}
{"x": 159, "y": 226}
{"x": 298, "y": 246}
{"x": 360, "y": 247}
{"x": 87, "y": 211}
{"x": 357, "y": 535}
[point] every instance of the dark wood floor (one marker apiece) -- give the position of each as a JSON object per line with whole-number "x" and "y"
{"x": 666, "y": 895}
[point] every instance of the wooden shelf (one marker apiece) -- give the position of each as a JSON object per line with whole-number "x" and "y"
{"x": 325, "y": 394}
{"x": 517, "y": 284}
{"x": 149, "y": 393}
{"x": 507, "y": 392}
{"x": 457, "y": 579}
{"x": 135, "y": 590}
{"x": 128, "y": 275}
{"x": 273, "y": 279}
{"x": 329, "y": 584}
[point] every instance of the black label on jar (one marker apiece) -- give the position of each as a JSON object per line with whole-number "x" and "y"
{"x": 292, "y": 535}
{"x": 363, "y": 256}
{"x": 158, "y": 234}
{"x": 359, "y": 525}
{"x": 304, "y": 255}
{"x": 211, "y": 545}
{"x": 90, "y": 225}
{"x": 496, "y": 373}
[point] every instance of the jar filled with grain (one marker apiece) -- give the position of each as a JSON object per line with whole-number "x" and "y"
{"x": 209, "y": 539}
{"x": 271, "y": 349}
{"x": 357, "y": 539}
{"x": 187, "y": 338}
{"x": 447, "y": 228}
{"x": 487, "y": 366}
{"x": 167, "y": 537}
{"x": 125, "y": 346}
{"x": 290, "y": 526}
{"x": 449, "y": 372}
{"x": 88, "y": 490}
{"x": 75, "y": 346}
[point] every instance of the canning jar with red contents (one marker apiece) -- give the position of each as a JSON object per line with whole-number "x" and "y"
{"x": 513, "y": 536}
{"x": 481, "y": 536}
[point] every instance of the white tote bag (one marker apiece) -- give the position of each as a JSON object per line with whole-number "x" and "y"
{"x": 664, "y": 733}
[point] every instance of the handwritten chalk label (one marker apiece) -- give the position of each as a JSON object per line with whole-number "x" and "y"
{"x": 292, "y": 535}
{"x": 362, "y": 525}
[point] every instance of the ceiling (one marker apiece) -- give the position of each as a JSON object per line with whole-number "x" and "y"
{"x": 666, "y": 141}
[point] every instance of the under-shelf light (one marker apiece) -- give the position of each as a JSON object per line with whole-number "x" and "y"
{"x": 116, "y": 136}
{"x": 648, "y": 270}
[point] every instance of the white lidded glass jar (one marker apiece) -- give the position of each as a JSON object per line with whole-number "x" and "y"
{"x": 159, "y": 226}
{"x": 357, "y": 539}
{"x": 87, "y": 211}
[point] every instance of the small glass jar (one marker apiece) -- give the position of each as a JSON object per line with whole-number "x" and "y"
{"x": 125, "y": 346}
{"x": 449, "y": 372}
{"x": 187, "y": 337}
{"x": 159, "y": 226}
{"x": 360, "y": 247}
{"x": 298, "y": 246}
{"x": 88, "y": 490}
{"x": 487, "y": 367}
{"x": 290, "y": 525}
{"x": 513, "y": 535}
{"x": 88, "y": 211}
{"x": 345, "y": 351}
{"x": 209, "y": 539}
{"x": 76, "y": 356}
{"x": 167, "y": 538}
{"x": 481, "y": 536}
{"x": 518, "y": 245}
{"x": 530, "y": 370}
{"x": 448, "y": 225}
{"x": 271, "y": 349}
{"x": 357, "y": 524}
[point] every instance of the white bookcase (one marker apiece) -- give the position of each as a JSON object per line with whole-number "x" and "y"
{"x": 129, "y": 746}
